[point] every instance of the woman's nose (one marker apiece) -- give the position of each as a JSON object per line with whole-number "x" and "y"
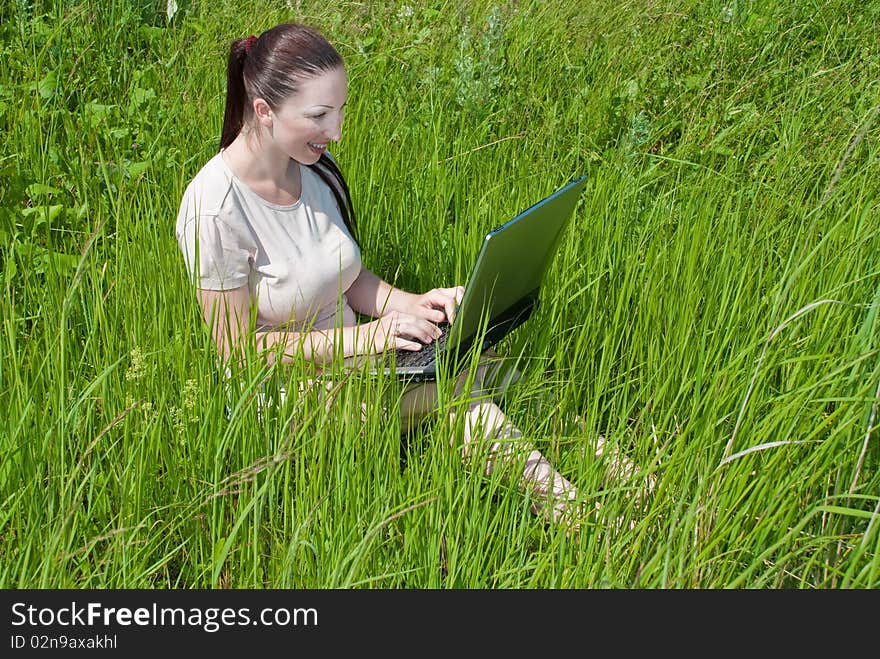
{"x": 335, "y": 131}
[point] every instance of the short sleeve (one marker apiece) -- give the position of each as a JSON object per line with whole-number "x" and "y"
{"x": 214, "y": 256}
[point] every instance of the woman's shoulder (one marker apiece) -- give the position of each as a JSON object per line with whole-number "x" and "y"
{"x": 208, "y": 189}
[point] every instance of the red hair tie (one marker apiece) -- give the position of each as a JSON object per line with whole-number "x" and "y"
{"x": 248, "y": 43}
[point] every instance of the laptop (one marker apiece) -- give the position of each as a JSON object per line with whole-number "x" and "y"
{"x": 501, "y": 292}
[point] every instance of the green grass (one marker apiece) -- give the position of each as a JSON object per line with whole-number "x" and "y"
{"x": 713, "y": 311}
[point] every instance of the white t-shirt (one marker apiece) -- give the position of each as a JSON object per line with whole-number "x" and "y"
{"x": 296, "y": 260}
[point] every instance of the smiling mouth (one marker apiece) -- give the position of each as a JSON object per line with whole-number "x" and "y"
{"x": 317, "y": 147}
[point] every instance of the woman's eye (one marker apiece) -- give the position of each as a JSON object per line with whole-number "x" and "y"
{"x": 319, "y": 116}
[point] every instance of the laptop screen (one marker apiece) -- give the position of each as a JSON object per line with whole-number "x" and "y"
{"x": 503, "y": 287}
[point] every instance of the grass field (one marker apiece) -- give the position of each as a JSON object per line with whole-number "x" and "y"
{"x": 713, "y": 313}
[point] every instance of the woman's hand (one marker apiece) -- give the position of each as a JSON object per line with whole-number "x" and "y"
{"x": 397, "y": 329}
{"x": 437, "y": 305}
{"x": 371, "y": 296}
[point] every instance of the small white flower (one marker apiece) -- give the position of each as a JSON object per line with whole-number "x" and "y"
{"x": 138, "y": 366}
{"x": 190, "y": 394}
{"x": 177, "y": 419}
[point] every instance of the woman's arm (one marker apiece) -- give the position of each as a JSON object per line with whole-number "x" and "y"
{"x": 227, "y": 313}
{"x": 372, "y": 296}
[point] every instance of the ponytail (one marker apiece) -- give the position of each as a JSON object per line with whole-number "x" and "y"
{"x": 236, "y": 94}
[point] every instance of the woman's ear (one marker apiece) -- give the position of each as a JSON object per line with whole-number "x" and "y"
{"x": 263, "y": 112}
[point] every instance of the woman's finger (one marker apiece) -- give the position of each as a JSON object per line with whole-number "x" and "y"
{"x": 420, "y": 329}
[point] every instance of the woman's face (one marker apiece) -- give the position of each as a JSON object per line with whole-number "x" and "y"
{"x": 306, "y": 122}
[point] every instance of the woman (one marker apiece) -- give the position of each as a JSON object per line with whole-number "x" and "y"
{"x": 268, "y": 222}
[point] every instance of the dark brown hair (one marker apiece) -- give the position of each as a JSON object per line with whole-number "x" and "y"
{"x": 271, "y": 67}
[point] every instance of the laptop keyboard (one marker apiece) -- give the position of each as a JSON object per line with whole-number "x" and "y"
{"x": 425, "y": 356}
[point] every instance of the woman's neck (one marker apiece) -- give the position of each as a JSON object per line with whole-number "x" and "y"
{"x": 270, "y": 173}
